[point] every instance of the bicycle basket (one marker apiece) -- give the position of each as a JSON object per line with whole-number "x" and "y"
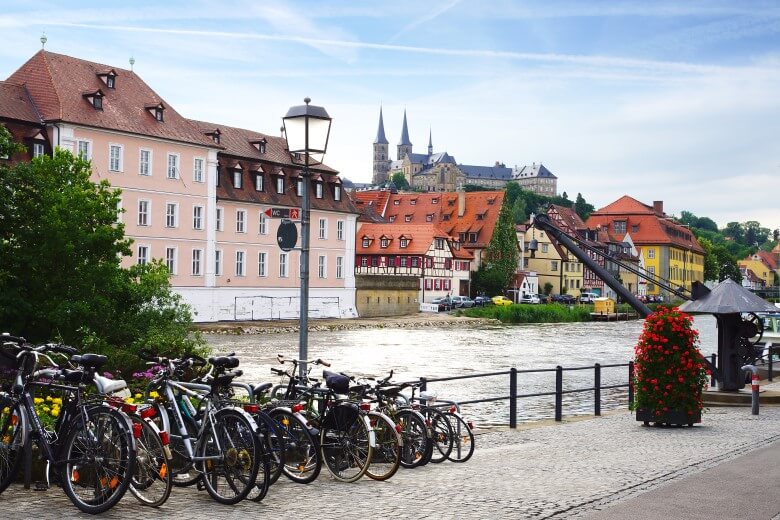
{"x": 338, "y": 383}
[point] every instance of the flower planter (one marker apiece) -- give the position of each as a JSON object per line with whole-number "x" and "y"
{"x": 670, "y": 418}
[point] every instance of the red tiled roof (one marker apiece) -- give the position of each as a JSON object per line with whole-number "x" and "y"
{"x": 768, "y": 258}
{"x": 420, "y": 238}
{"x": 568, "y": 216}
{"x": 56, "y": 83}
{"x": 626, "y": 205}
{"x": 15, "y": 103}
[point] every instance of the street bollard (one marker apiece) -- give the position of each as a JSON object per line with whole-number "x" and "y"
{"x": 754, "y": 387}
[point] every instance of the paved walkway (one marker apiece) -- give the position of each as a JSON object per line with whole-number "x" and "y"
{"x": 569, "y": 470}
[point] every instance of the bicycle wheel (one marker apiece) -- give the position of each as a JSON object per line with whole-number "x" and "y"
{"x": 232, "y": 457}
{"x": 386, "y": 457}
{"x": 275, "y": 440}
{"x": 152, "y": 481}
{"x": 99, "y": 459}
{"x": 345, "y": 443}
{"x": 463, "y": 439}
{"x": 182, "y": 469}
{"x": 415, "y": 438}
{"x": 11, "y": 444}
{"x": 441, "y": 435}
{"x": 301, "y": 462}
{"x": 272, "y": 454}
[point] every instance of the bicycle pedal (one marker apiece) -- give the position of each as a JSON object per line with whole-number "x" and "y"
{"x": 40, "y": 486}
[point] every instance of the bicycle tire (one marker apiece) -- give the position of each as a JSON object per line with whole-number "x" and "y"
{"x": 106, "y": 437}
{"x": 183, "y": 470}
{"x": 12, "y": 423}
{"x": 302, "y": 461}
{"x": 386, "y": 457}
{"x": 441, "y": 431}
{"x": 414, "y": 433}
{"x": 234, "y": 443}
{"x": 152, "y": 480}
{"x": 273, "y": 452}
{"x": 463, "y": 445}
{"x": 345, "y": 443}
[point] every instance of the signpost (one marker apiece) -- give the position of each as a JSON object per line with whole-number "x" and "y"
{"x": 288, "y": 213}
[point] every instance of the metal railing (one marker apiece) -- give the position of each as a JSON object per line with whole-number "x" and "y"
{"x": 558, "y": 393}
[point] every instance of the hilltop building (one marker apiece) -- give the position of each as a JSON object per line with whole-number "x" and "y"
{"x": 537, "y": 179}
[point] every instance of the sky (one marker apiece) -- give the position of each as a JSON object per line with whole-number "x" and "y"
{"x": 664, "y": 100}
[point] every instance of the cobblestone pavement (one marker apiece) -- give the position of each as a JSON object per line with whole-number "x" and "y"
{"x": 559, "y": 471}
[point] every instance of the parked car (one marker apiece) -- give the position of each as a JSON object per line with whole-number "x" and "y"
{"x": 462, "y": 302}
{"x": 543, "y": 298}
{"x": 481, "y": 301}
{"x": 529, "y": 298}
{"x": 501, "y": 300}
{"x": 588, "y": 297}
{"x": 444, "y": 303}
{"x": 565, "y": 299}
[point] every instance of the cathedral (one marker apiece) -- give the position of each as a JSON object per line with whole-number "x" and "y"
{"x": 430, "y": 171}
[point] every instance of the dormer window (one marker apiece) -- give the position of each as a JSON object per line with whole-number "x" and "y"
{"x": 95, "y": 98}
{"x": 299, "y": 187}
{"x": 337, "y": 192}
{"x": 156, "y": 109}
{"x": 259, "y": 144}
{"x": 397, "y": 202}
{"x": 404, "y": 242}
{"x": 215, "y": 135}
{"x": 110, "y": 81}
{"x": 480, "y": 216}
{"x": 429, "y": 217}
{"x": 491, "y": 201}
{"x": 384, "y": 242}
{"x": 318, "y": 190}
{"x": 237, "y": 179}
{"x": 392, "y": 218}
{"x": 434, "y": 201}
{"x": 413, "y": 202}
{"x": 108, "y": 77}
{"x": 280, "y": 184}
{"x": 366, "y": 242}
{"x": 451, "y": 202}
{"x": 259, "y": 182}
{"x": 445, "y": 217}
{"x": 407, "y": 218}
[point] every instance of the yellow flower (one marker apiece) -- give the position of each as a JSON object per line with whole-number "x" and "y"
{"x": 153, "y": 394}
{"x": 48, "y": 398}
{"x": 138, "y": 396}
{"x": 46, "y": 409}
{"x": 55, "y": 412}
{"x": 38, "y": 400}
{"x": 57, "y": 400}
{"x": 129, "y": 400}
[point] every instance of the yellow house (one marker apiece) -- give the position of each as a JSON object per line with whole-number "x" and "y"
{"x": 548, "y": 260}
{"x": 763, "y": 264}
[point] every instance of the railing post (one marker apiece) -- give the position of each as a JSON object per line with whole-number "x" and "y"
{"x": 713, "y": 359}
{"x": 769, "y": 360}
{"x": 630, "y": 383}
{"x": 513, "y": 397}
{"x": 423, "y": 384}
{"x": 559, "y": 393}
{"x": 597, "y": 389}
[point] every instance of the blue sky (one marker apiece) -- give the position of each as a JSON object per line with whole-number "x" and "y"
{"x": 672, "y": 101}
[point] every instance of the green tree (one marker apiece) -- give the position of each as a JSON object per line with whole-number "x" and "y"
{"x": 734, "y": 231}
{"x": 582, "y": 208}
{"x": 475, "y": 187}
{"x": 706, "y": 223}
{"x": 399, "y": 179}
{"x": 776, "y": 234}
{"x": 727, "y": 264}
{"x": 487, "y": 281}
{"x": 513, "y": 191}
{"x": 519, "y": 214}
{"x": 501, "y": 253}
{"x": 8, "y": 146}
{"x": 548, "y": 287}
{"x": 565, "y": 196}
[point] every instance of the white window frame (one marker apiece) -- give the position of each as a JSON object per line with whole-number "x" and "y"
{"x": 240, "y": 263}
{"x": 219, "y": 222}
{"x": 262, "y": 264}
{"x": 238, "y": 178}
{"x": 217, "y": 262}
{"x": 197, "y": 217}
{"x": 198, "y": 173}
{"x": 142, "y": 259}
{"x": 176, "y": 167}
{"x": 651, "y": 253}
{"x": 240, "y": 221}
{"x": 337, "y": 192}
{"x": 280, "y": 185}
{"x": 340, "y": 230}
{"x": 171, "y": 219}
{"x": 323, "y": 229}
{"x": 88, "y": 154}
{"x": 318, "y": 190}
{"x": 339, "y": 267}
{"x": 145, "y": 216}
{"x": 299, "y": 187}
{"x": 197, "y": 261}
{"x": 259, "y": 182}
{"x": 262, "y": 227}
{"x": 148, "y": 172}
{"x": 284, "y": 267}
{"x": 322, "y": 266}
{"x": 120, "y": 159}
{"x": 171, "y": 259}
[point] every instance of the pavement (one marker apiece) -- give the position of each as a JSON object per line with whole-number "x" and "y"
{"x": 601, "y": 468}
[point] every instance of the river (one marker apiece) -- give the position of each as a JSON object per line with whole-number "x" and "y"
{"x": 441, "y": 352}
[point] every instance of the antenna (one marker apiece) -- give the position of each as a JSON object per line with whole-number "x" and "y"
{"x": 44, "y": 39}
{"x": 132, "y": 62}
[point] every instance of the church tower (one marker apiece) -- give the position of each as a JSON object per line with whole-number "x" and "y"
{"x": 381, "y": 153}
{"x": 430, "y": 142}
{"x": 405, "y": 146}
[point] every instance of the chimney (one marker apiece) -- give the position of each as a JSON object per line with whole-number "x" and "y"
{"x": 658, "y": 207}
{"x": 461, "y": 203}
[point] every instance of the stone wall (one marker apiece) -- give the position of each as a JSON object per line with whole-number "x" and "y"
{"x": 386, "y": 295}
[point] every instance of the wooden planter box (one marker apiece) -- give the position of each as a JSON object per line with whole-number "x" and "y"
{"x": 670, "y": 418}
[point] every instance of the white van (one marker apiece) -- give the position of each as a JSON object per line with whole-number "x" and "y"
{"x": 588, "y": 297}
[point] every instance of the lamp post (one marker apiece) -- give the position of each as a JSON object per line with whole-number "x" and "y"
{"x": 306, "y": 129}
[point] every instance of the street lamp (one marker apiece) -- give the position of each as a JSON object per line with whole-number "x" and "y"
{"x": 306, "y": 129}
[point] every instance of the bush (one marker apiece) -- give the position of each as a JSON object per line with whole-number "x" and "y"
{"x": 544, "y": 313}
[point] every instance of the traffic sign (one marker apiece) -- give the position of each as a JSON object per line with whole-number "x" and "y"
{"x": 290, "y": 213}
{"x": 287, "y": 235}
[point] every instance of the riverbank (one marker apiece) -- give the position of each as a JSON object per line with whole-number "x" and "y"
{"x": 413, "y": 321}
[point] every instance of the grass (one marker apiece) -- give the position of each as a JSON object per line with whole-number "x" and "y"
{"x": 543, "y": 313}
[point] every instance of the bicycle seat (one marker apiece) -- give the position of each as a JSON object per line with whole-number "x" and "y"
{"x": 262, "y": 388}
{"x": 224, "y": 361}
{"x": 336, "y": 382}
{"x": 89, "y": 360}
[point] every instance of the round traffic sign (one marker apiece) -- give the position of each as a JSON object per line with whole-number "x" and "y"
{"x": 287, "y": 236}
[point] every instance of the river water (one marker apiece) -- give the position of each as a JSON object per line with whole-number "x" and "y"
{"x": 441, "y": 352}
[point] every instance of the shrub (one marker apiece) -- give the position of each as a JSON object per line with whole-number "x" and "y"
{"x": 544, "y": 313}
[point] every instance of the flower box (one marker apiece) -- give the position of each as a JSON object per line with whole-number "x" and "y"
{"x": 671, "y": 417}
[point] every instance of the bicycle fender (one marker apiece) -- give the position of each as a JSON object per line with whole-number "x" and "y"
{"x": 371, "y": 432}
{"x": 245, "y": 414}
{"x": 398, "y": 436}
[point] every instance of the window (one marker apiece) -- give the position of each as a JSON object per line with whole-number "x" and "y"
{"x": 337, "y": 192}
{"x": 258, "y": 182}
{"x": 619, "y": 226}
{"x": 196, "y": 256}
{"x": 397, "y": 202}
{"x": 173, "y": 166}
{"x": 339, "y": 230}
{"x": 97, "y": 102}
{"x": 84, "y": 149}
{"x": 545, "y": 248}
{"x": 263, "y": 224}
{"x": 439, "y": 243}
{"x": 158, "y": 114}
{"x": 218, "y": 262}
{"x": 634, "y": 228}
{"x": 143, "y": 255}
{"x": 404, "y": 260}
{"x": 323, "y": 229}
{"x": 110, "y": 81}
{"x": 282, "y": 265}
{"x": 413, "y": 202}
{"x": 219, "y": 222}
{"x": 473, "y": 238}
{"x": 651, "y": 253}
{"x": 171, "y": 214}
{"x": 553, "y": 265}
{"x": 364, "y": 262}
{"x": 383, "y": 242}
{"x": 415, "y": 261}
{"x": 299, "y": 187}
{"x": 318, "y": 190}
{"x": 144, "y": 207}
{"x": 408, "y": 218}
{"x": 197, "y": 217}
{"x": 115, "y": 158}
{"x": 404, "y": 242}
{"x": 339, "y": 267}
{"x": 262, "y": 262}
{"x": 197, "y": 170}
{"x": 429, "y": 217}
{"x": 237, "y": 179}
{"x": 145, "y": 162}
{"x": 38, "y": 149}
{"x": 240, "y": 218}
{"x": 366, "y": 242}
{"x": 170, "y": 259}
{"x": 321, "y": 266}
{"x": 280, "y": 185}
{"x": 240, "y": 263}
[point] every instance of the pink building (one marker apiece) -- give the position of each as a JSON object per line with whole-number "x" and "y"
{"x": 179, "y": 196}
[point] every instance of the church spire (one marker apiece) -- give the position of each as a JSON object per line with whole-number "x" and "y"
{"x": 430, "y": 142}
{"x": 405, "y": 134}
{"x": 380, "y": 133}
